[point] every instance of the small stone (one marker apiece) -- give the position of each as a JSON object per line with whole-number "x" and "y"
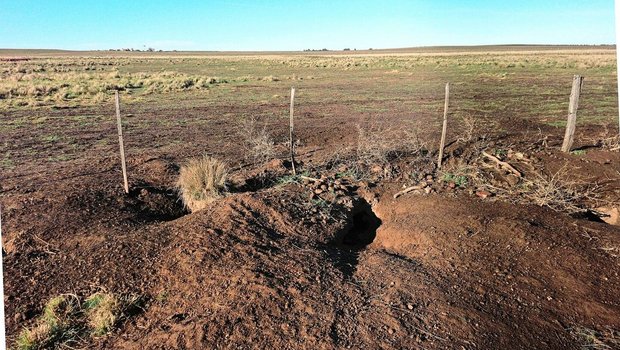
{"x": 323, "y": 187}
{"x": 390, "y": 331}
{"x": 451, "y": 185}
{"x": 512, "y": 180}
{"x": 483, "y": 194}
{"x": 610, "y": 215}
{"x": 376, "y": 169}
{"x": 410, "y": 306}
{"x": 318, "y": 191}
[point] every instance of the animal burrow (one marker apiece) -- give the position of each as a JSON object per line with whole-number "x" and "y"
{"x": 361, "y": 227}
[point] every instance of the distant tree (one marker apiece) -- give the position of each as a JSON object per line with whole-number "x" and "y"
{"x": 347, "y": 49}
{"x": 150, "y": 49}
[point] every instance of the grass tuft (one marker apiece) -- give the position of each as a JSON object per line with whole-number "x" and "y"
{"x": 102, "y": 311}
{"x": 201, "y": 181}
{"x": 54, "y": 325}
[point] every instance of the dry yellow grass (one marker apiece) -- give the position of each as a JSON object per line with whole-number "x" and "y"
{"x": 102, "y": 311}
{"x": 201, "y": 181}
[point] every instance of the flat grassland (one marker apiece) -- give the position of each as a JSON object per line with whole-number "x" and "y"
{"x": 478, "y": 257}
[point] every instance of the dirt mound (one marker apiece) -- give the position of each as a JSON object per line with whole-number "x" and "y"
{"x": 238, "y": 266}
{"x": 245, "y": 265}
{"x": 507, "y": 265}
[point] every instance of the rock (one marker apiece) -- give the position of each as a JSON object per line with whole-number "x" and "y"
{"x": 275, "y": 164}
{"x": 512, "y": 180}
{"x": 611, "y": 215}
{"x": 318, "y": 191}
{"x": 483, "y": 194}
{"x": 409, "y": 306}
{"x": 323, "y": 187}
{"x": 452, "y": 184}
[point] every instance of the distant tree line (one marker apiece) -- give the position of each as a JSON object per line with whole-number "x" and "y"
{"x": 150, "y": 49}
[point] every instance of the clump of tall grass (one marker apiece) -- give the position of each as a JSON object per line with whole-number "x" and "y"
{"x": 201, "y": 181}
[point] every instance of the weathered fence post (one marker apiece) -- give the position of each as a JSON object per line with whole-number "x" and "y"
{"x": 445, "y": 126}
{"x": 291, "y": 132}
{"x": 572, "y": 113}
{"x": 120, "y": 139}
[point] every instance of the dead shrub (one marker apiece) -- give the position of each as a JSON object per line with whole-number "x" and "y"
{"x": 469, "y": 125}
{"x": 611, "y": 143}
{"x": 377, "y": 144}
{"x": 557, "y": 192}
{"x": 201, "y": 181}
{"x": 258, "y": 143}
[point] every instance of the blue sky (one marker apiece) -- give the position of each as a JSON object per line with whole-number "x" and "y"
{"x": 297, "y": 25}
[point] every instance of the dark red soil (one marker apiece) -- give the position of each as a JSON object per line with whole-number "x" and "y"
{"x": 266, "y": 267}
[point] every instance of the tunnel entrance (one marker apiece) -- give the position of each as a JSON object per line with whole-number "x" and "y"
{"x": 361, "y": 228}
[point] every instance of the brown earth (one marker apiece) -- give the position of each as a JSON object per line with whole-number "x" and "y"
{"x": 266, "y": 267}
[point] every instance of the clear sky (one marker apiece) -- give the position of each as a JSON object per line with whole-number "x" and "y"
{"x": 298, "y": 25}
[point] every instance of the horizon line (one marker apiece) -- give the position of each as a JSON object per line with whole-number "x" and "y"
{"x": 131, "y": 49}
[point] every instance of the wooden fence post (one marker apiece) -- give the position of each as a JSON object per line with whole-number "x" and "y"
{"x": 572, "y": 113}
{"x": 120, "y": 139}
{"x": 445, "y": 126}
{"x": 291, "y": 132}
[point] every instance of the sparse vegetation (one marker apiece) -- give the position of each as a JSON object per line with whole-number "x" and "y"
{"x": 377, "y": 145}
{"x": 65, "y": 320}
{"x": 258, "y": 143}
{"x": 599, "y": 340}
{"x": 556, "y": 191}
{"x": 54, "y": 325}
{"x": 201, "y": 181}
{"x": 102, "y": 312}
{"x": 579, "y": 152}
